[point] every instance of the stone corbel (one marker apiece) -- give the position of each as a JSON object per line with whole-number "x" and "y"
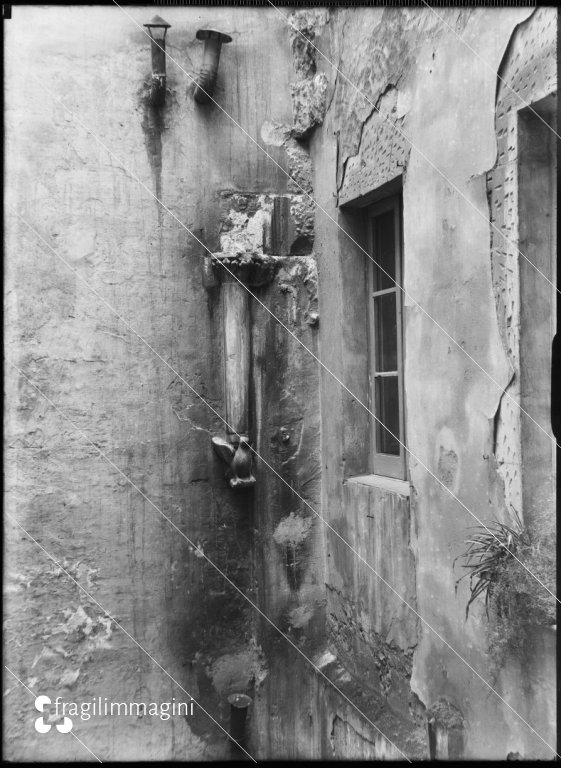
{"x": 252, "y": 270}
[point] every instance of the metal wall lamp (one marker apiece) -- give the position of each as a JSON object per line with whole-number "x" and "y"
{"x": 157, "y": 29}
{"x": 211, "y": 57}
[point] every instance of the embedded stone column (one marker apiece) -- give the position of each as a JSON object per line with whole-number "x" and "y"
{"x": 235, "y": 303}
{"x": 233, "y": 272}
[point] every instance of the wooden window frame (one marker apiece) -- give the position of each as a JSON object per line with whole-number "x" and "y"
{"x": 382, "y": 463}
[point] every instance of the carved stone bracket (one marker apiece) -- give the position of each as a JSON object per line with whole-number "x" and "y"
{"x": 252, "y": 269}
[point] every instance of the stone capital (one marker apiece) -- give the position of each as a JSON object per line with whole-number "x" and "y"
{"x": 252, "y": 268}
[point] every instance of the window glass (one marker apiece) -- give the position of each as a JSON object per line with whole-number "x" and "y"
{"x": 384, "y": 251}
{"x": 385, "y": 322}
{"x": 387, "y": 410}
{"x": 386, "y": 352}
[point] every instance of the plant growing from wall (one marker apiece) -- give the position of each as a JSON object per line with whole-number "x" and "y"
{"x": 513, "y": 583}
{"x": 489, "y": 549}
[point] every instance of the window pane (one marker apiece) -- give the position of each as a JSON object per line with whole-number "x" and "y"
{"x": 387, "y": 410}
{"x": 384, "y": 251}
{"x": 385, "y": 326}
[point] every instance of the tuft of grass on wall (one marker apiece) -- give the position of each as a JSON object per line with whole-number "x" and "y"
{"x": 512, "y": 572}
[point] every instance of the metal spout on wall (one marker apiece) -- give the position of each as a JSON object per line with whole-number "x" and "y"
{"x": 157, "y": 29}
{"x": 239, "y": 705}
{"x": 211, "y": 58}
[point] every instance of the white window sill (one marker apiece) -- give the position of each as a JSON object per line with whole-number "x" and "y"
{"x": 401, "y": 487}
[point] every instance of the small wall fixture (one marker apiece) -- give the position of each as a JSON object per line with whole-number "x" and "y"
{"x": 239, "y": 459}
{"x": 157, "y": 28}
{"x": 239, "y": 704}
{"x": 211, "y": 57}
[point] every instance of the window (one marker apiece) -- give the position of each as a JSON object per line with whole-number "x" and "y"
{"x": 386, "y": 345}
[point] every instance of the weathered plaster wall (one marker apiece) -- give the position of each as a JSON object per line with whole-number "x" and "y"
{"x": 328, "y": 603}
{"x": 528, "y": 72}
{"x": 372, "y": 629}
{"x": 442, "y": 97}
{"x": 117, "y": 391}
{"x": 522, "y": 202}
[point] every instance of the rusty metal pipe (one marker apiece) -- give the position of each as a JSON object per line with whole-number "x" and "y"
{"x": 239, "y": 704}
{"x": 211, "y": 58}
{"x": 157, "y": 29}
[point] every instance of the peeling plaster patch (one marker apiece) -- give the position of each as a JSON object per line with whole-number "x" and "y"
{"x": 308, "y": 104}
{"x": 305, "y": 24}
{"x": 299, "y": 160}
{"x": 246, "y": 227}
{"x": 325, "y": 659}
{"x": 16, "y": 581}
{"x": 231, "y": 673}
{"x": 302, "y": 211}
{"x": 198, "y": 551}
{"x": 300, "y": 617}
{"x": 78, "y": 570}
{"x": 274, "y": 134}
{"x": 301, "y": 268}
{"x": 291, "y": 534}
{"x": 299, "y": 167}
{"x": 93, "y": 630}
{"x": 309, "y": 92}
{"x": 71, "y": 644}
{"x": 292, "y": 530}
{"x": 447, "y": 460}
{"x": 236, "y": 672}
{"x": 382, "y": 152}
{"x": 286, "y": 440}
{"x": 447, "y": 467}
{"x": 376, "y": 660}
{"x": 69, "y": 678}
{"x": 533, "y": 41}
{"x": 48, "y": 653}
{"x": 242, "y": 231}
{"x": 380, "y": 46}
{"x": 80, "y": 242}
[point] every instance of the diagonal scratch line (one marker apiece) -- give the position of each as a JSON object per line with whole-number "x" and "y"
{"x": 27, "y": 688}
{"x": 201, "y": 553}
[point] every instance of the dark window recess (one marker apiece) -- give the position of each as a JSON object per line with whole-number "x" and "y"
{"x": 386, "y": 342}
